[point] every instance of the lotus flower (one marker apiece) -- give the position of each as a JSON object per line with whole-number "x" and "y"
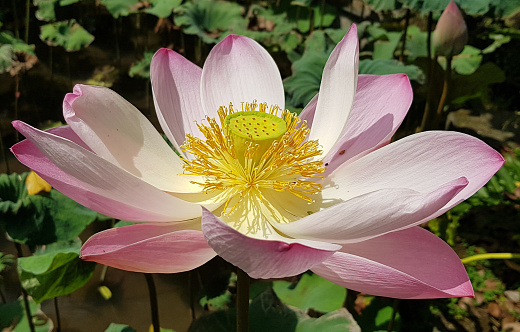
{"x": 273, "y": 193}
{"x": 451, "y": 33}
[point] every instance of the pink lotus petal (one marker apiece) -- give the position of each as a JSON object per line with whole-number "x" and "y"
{"x": 239, "y": 70}
{"x": 176, "y": 93}
{"x": 409, "y": 264}
{"x": 116, "y": 131}
{"x": 95, "y": 182}
{"x": 372, "y": 214}
{"x": 421, "y": 162}
{"x": 263, "y": 258}
{"x": 151, "y": 248}
{"x": 28, "y": 154}
{"x": 337, "y": 90}
{"x": 307, "y": 114}
{"x": 380, "y": 106}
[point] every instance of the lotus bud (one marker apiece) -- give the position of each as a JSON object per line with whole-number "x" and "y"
{"x": 451, "y": 32}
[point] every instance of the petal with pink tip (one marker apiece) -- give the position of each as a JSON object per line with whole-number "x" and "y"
{"x": 421, "y": 162}
{"x": 263, "y": 258}
{"x": 337, "y": 91}
{"x": 150, "y": 248}
{"x": 93, "y": 181}
{"x": 116, "y": 131}
{"x": 380, "y": 106}
{"x": 373, "y": 214}
{"x": 451, "y": 33}
{"x": 176, "y": 95}
{"x": 409, "y": 264}
{"x": 239, "y": 70}
{"x": 29, "y": 154}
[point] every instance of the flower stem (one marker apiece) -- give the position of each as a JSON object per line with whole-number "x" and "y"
{"x": 493, "y": 255}
{"x": 4, "y": 153}
{"x": 116, "y": 26}
{"x": 242, "y": 301}
{"x": 153, "y": 302}
{"x": 395, "y": 305}
{"x": 16, "y": 98}
{"x": 429, "y": 36}
{"x": 104, "y": 270}
{"x": 28, "y": 310}
{"x": 2, "y": 296}
{"x": 27, "y": 17}
{"x": 24, "y": 294}
{"x": 406, "y": 24}
{"x": 322, "y": 9}
{"x": 191, "y": 282}
{"x": 426, "y": 120}
{"x": 57, "y": 310}
{"x": 15, "y": 18}
{"x": 445, "y": 90}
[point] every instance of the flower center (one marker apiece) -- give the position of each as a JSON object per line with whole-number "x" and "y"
{"x": 254, "y": 127}
{"x": 254, "y": 160}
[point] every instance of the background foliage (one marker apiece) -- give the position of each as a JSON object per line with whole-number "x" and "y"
{"x": 47, "y": 46}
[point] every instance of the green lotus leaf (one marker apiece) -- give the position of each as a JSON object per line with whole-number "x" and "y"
{"x": 383, "y": 4}
{"x": 7, "y": 57}
{"x": 465, "y": 63}
{"x": 384, "y": 49}
{"x": 271, "y": 29}
{"x": 142, "y": 68}
{"x": 13, "y": 317}
{"x": 416, "y": 43}
{"x": 68, "y": 2}
{"x": 498, "y": 40}
{"x": 323, "y": 17}
{"x": 55, "y": 271}
{"x": 385, "y": 67}
{"x": 476, "y": 85}
{"x": 305, "y": 81}
{"x": 266, "y": 313}
{"x": 40, "y": 219}
{"x": 45, "y": 11}
{"x": 208, "y": 19}
{"x": 113, "y": 327}
{"x": 163, "y": 8}
{"x": 69, "y": 34}
{"x": 121, "y": 7}
{"x": 339, "y": 320}
{"x": 312, "y": 291}
{"x": 18, "y": 45}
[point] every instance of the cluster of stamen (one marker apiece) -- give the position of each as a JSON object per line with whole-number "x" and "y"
{"x": 242, "y": 161}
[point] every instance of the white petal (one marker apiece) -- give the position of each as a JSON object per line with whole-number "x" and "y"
{"x": 89, "y": 178}
{"x": 372, "y": 214}
{"x": 239, "y": 70}
{"x": 337, "y": 90}
{"x": 176, "y": 95}
{"x": 421, "y": 162}
{"x": 116, "y": 131}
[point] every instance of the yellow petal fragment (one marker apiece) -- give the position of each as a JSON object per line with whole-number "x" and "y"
{"x": 35, "y": 184}
{"x": 105, "y": 292}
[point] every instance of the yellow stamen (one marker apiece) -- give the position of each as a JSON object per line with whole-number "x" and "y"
{"x": 241, "y": 164}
